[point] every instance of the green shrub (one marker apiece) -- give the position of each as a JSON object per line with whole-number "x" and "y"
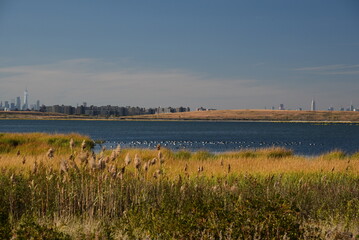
{"x": 248, "y": 154}
{"x": 5, "y": 227}
{"x": 334, "y": 155}
{"x": 182, "y": 155}
{"x": 29, "y": 229}
{"x": 202, "y": 155}
{"x": 279, "y": 153}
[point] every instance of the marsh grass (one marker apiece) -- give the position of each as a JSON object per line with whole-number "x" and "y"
{"x": 250, "y": 194}
{"x": 37, "y": 143}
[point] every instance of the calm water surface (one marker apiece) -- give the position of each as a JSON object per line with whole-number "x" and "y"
{"x": 303, "y": 138}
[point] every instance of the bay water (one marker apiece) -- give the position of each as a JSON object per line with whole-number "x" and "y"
{"x": 303, "y": 138}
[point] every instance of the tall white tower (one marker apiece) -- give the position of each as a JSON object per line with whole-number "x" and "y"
{"x": 312, "y": 106}
{"x": 26, "y": 100}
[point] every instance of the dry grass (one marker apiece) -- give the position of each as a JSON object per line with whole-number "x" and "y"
{"x": 236, "y": 115}
{"x": 256, "y": 115}
{"x": 261, "y": 161}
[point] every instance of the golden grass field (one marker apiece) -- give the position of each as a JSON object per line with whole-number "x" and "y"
{"x": 256, "y": 115}
{"x": 217, "y": 115}
{"x": 243, "y": 162}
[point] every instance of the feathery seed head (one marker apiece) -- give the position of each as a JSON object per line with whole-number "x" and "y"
{"x": 101, "y": 164}
{"x": 118, "y": 149}
{"x": 63, "y": 166}
{"x": 92, "y": 162}
{"x": 145, "y": 167}
{"x": 34, "y": 167}
{"x": 127, "y": 159}
{"x": 83, "y": 145}
{"x": 72, "y": 144}
{"x": 137, "y": 162}
{"x": 50, "y": 153}
{"x": 153, "y": 161}
{"x": 113, "y": 155}
{"x": 159, "y": 155}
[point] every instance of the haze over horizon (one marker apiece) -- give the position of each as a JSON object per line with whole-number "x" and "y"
{"x": 215, "y": 54}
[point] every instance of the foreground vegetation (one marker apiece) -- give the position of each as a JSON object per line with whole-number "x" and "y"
{"x": 72, "y": 193}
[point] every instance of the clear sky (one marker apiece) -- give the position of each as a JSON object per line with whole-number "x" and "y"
{"x": 217, "y": 54}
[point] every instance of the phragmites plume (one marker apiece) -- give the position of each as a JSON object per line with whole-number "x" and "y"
{"x": 23, "y": 160}
{"x": 101, "y": 164}
{"x": 84, "y": 157}
{"x": 83, "y": 145}
{"x": 34, "y": 167}
{"x": 159, "y": 155}
{"x": 145, "y": 167}
{"x": 229, "y": 168}
{"x": 50, "y": 153}
{"x": 73, "y": 165}
{"x": 122, "y": 170}
{"x": 127, "y": 159}
{"x": 157, "y": 173}
{"x": 64, "y": 166}
{"x": 113, "y": 171}
{"x": 137, "y": 162}
{"x": 153, "y": 161}
{"x": 158, "y": 147}
{"x": 72, "y": 144}
{"x": 186, "y": 167}
{"x": 92, "y": 162}
{"x": 18, "y": 153}
{"x": 113, "y": 155}
{"x": 222, "y": 163}
{"x": 118, "y": 149}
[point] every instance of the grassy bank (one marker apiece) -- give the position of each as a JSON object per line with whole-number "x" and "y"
{"x": 256, "y": 115}
{"x": 213, "y": 115}
{"x": 125, "y": 193}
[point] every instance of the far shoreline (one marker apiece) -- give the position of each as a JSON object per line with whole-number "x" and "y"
{"x": 287, "y": 116}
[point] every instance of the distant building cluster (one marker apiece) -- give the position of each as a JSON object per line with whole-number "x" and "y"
{"x": 17, "y": 105}
{"x": 114, "y": 111}
{"x": 313, "y": 107}
{"x": 205, "y": 109}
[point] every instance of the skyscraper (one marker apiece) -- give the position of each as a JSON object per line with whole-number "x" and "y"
{"x": 26, "y": 100}
{"x": 312, "y": 107}
{"x": 37, "y": 105}
{"x": 351, "y": 107}
{"x": 18, "y": 103}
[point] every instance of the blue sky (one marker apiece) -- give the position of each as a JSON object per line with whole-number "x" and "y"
{"x": 217, "y": 54}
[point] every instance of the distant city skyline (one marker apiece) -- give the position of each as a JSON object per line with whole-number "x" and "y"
{"x": 217, "y": 54}
{"x": 16, "y": 104}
